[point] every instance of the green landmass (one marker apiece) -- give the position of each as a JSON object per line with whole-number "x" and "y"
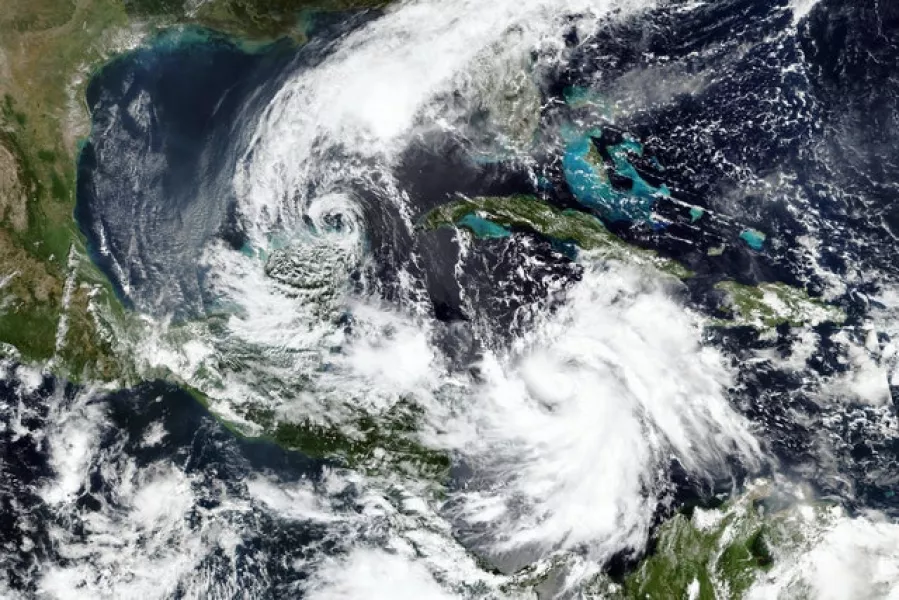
{"x": 530, "y": 214}
{"x": 704, "y": 554}
{"x": 55, "y": 304}
{"x": 52, "y": 298}
{"x": 56, "y": 307}
{"x": 46, "y": 49}
{"x": 763, "y": 306}
{"x": 248, "y": 19}
{"x": 720, "y": 554}
{"x": 268, "y": 19}
{"x": 385, "y": 443}
{"x": 720, "y": 562}
{"x": 771, "y": 304}
{"x": 708, "y": 555}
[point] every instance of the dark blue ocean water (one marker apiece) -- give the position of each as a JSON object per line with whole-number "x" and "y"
{"x": 783, "y": 132}
{"x": 168, "y": 122}
{"x": 217, "y": 464}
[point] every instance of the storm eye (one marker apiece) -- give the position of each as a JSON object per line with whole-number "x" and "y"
{"x": 334, "y": 222}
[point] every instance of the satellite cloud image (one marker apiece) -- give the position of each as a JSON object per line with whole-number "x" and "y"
{"x": 449, "y": 299}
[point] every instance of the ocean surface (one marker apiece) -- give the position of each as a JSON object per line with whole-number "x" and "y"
{"x": 263, "y": 208}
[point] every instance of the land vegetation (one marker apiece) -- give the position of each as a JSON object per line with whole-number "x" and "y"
{"x": 49, "y": 290}
{"x": 53, "y": 299}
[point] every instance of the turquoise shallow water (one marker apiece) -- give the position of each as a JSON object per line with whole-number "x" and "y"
{"x": 754, "y": 239}
{"x": 483, "y": 228}
{"x": 167, "y": 124}
{"x": 696, "y": 213}
{"x": 591, "y": 185}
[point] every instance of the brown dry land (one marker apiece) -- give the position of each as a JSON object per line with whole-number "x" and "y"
{"x": 48, "y": 49}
